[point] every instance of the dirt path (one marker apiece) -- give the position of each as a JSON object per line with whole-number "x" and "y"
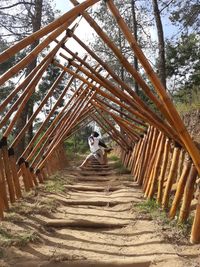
{"x": 91, "y": 222}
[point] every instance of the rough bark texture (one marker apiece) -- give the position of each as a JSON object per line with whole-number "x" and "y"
{"x": 136, "y": 38}
{"x": 161, "y": 44}
{"x": 28, "y": 110}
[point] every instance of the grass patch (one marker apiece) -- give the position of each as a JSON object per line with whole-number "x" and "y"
{"x": 24, "y": 239}
{"x": 1, "y": 253}
{"x": 5, "y": 234}
{"x": 7, "y": 238}
{"x": 172, "y": 229}
{"x": 120, "y": 169}
{"x": 186, "y": 105}
{"x": 40, "y": 206}
{"x": 113, "y": 158}
{"x": 55, "y": 184}
{"x": 149, "y": 206}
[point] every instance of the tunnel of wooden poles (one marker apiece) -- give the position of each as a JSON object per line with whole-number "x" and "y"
{"x": 154, "y": 146}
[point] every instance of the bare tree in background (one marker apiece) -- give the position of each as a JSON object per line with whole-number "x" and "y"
{"x": 135, "y": 32}
{"x": 161, "y": 43}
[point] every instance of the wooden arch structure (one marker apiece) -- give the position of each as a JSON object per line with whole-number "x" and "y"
{"x": 149, "y": 138}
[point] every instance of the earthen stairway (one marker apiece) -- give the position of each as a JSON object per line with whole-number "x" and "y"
{"x": 95, "y": 168}
{"x": 96, "y": 225}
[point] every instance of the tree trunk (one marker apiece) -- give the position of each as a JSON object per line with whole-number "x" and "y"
{"x": 121, "y": 75}
{"x": 161, "y": 43}
{"x": 135, "y": 26}
{"x": 28, "y": 109}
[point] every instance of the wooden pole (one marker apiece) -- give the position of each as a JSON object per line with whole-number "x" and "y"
{"x": 2, "y": 182}
{"x": 163, "y": 171}
{"x": 22, "y": 166}
{"x": 150, "y": 158}
{"x": 180, "y": 189}
{"x": 171, "y": 115}
{"x": 15, "y": 177}
{"x": 156, "y": 168}
{"x": 152, "y": 162}
{"x": 171, "y": 177}
{"x": 7, "y": 169}
{"x": 73, "y": 13}
{"x": 195, "y": 234}
{"x": 188, "y": 194}
{"x": 141, "y": 162}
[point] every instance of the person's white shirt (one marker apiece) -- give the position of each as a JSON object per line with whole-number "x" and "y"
{"x": 93, "y": 143}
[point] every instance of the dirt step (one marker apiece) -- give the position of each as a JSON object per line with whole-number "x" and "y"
{"x": 80, "y": 223}
{"x": 98, "y": 169}
{"x": 94, "y": 188}
{"x": 92, "y": 179}
{"x": 98, "y": 203}
{"x": 92, "y": 173}
{"x": 60, "y": 262}
{"x": 98, "y": 165}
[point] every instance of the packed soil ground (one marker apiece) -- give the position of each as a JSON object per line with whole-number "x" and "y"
{"x": 76, "y": 219}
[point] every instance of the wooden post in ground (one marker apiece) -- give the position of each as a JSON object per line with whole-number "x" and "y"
{"x": 39, "y": 175}
{"x": 22, "y": 166}
{"x": 142, "y": 159}
{"x": 33, "y": 176}
{"x": 3, "y": 190}
{"x": 188, "y": 194}
{"x": 156, "y": 168}
{"x": 138, "y": 155}
{"x": 15, "y": 177}
{"x": 150, "y": 158}
{"x": 152, "y": 163}
{"x": 8, "y": 174}
{"x": 180, "y": 189}
{"x": 171, "y": 176}
{"x": 195, "y": 233}
{"x": 163, "y": 171}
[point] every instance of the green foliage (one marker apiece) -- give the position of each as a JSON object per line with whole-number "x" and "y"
{"x": 148, "y": 206}
{"x": 7, "y": 64}
{"x": 78, "y": 143}
{"x": 1, "y": 253}
{"x": 55, "y": 185}
{"x": 5, "y": 233}
{"x": 186, "y": 105}
{"x": 45, "y": 84}
{"x": 186, "y": 14}
{"x": 152, "y": 209}
{"x": 183, "y": 65}
{"x": 113, "y": 158}
{"x": 20, "y": 239}
{"x": 119, "y": 167}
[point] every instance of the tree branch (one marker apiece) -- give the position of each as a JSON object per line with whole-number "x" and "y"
{"x": 166, "y": 5}
{"x": 16, "y": 4}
